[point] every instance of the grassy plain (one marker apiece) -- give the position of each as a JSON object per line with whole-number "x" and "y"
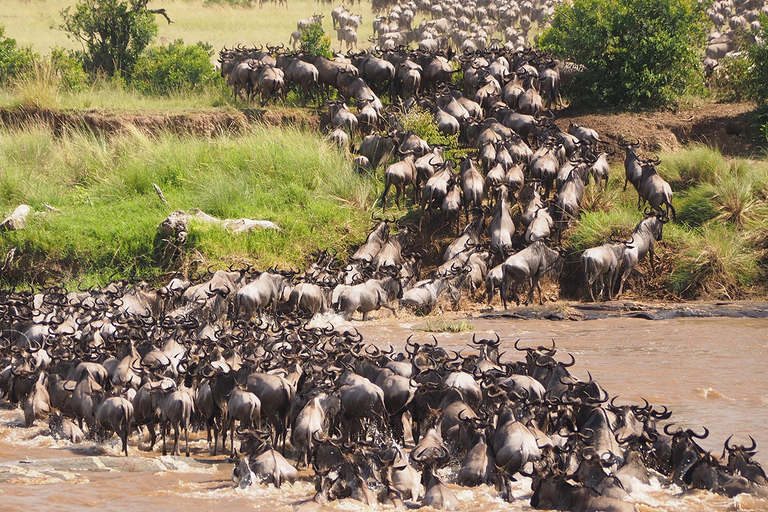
{"x": 36, "y": 22}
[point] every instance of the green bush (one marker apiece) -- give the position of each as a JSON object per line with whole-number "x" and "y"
{"x": 758, "y": 70}
{"x": 14, "y": 60}
{"x": 113, "y": 33}
{"x": 315, "y": 42}
{"x": 730, "y": 79}
{"x": 177, "y": 67}
{"x": 637, "y": 53}
{"x": 68, "y": 70}
{"x": 715, "y": 261}
{"x": 696, "y": 206}
{"x": 423, "y": 124}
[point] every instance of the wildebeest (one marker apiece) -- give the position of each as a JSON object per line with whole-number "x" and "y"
{"x": 653, "y": 189}
{"x": 598, "y": 262}
{"x": 646, "y": 233}
{"x": 372, "y": 295}
{"x": 529, "y": 265}
{"x": 115, "y": 414}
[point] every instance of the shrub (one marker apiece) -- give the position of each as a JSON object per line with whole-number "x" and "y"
{"x": 758, "y": 70}
{"x": 637, "y": 53}
{"x": 174, "y": 68}
{"x": 730, "y": 80}
{"x": 13, "y": 59}
{"x": 315, "y": 42}
{"x": 423, "y": 124}
{"x": 68, "y": 70}
{"x": 113, "y": 33}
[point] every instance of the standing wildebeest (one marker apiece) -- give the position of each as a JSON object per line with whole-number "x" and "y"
{"x": 400, "y": 174}
{"x": 632, "y": 165}
{"x": 529, "y": 264}
{"x": 268, "y": 80}
{"x": 653, "y": 189}
{"x": 599, "y": 261}
{"x": 550, "y": 78}
{"x": 369, "y": 296}
{"x": 116, "y": 414}
{"x": 645, "y": 234}
{"x": 502, "y": 226}
{"x": 304, "y": 74}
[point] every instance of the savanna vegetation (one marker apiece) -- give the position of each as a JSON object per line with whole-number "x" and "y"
{"x": 107, "y": 210}
{"x": 96, "y": 210}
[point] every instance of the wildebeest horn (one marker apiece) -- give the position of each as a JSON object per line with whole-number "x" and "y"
{"x": 699, "y": 436}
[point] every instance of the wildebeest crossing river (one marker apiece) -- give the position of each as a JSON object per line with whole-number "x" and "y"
{"x": 708, "y": 371}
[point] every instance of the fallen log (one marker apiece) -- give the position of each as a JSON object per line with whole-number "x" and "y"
{"x": 17, "y": 220}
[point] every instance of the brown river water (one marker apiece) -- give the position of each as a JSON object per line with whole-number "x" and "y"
{"x": 709, "y": 371}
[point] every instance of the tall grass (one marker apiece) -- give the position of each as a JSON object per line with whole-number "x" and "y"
{"x": 694, "y": 165}
{"x": 716, "y": 261}
{"x": 718, "y": 246}
{"x": 109, "y": 210}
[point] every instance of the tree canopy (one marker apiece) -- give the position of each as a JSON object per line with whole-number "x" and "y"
{"x": 637, "y": 53}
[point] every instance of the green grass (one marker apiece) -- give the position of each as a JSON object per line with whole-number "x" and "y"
{"x": 694, "y": 165}
{"x": 717, "y": 249}
{"x": 716, "y": 261}
{"x": 447, "y": 326}
{"x": 109, "y": 210}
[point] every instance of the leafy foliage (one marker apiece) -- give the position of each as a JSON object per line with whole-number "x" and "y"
{"x": 423, "y": 124}
{"x": 315, "y": 42}
{"x": 13, "y": 59}
{"x": 177, "y": 67}
{"x": 68, "y": 70}
{"x": 637, "y": 53}
{"x": 113, "y": 33}
{"x": 758, "y": 72}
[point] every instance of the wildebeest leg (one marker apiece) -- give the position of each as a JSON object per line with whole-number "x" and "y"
{"x": 164, "y": 427}
{"x": 602, "y": 287}
{"x": 176, "y": 429}
{"x": 590, "y": 279}
{"x": 651, "y": 256}
{"x": 389, "y": 307}
{"x": 624, "y": 276}
{"x": 186, "y": 438}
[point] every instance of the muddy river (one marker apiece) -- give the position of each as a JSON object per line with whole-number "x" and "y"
{"x": 709, "y": 371}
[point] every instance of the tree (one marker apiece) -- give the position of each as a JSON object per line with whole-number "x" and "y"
{"x": 113, "y": 33}
{"x": 637, "y": 53}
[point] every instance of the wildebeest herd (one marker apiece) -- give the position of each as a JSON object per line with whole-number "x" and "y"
{"x": 372, "y": 424}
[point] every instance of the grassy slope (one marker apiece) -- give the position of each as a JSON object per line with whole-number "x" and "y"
{"x": 110, "y": 211}
{"x": 718, "y": 246}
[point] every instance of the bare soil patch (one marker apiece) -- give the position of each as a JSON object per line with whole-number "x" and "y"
{"x": 725, "y": 126}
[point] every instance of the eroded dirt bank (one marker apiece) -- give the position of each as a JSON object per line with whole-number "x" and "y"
{"x": 725, "y": 126}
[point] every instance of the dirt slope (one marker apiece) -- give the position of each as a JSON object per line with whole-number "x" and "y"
{"x": 723, "y": 125}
